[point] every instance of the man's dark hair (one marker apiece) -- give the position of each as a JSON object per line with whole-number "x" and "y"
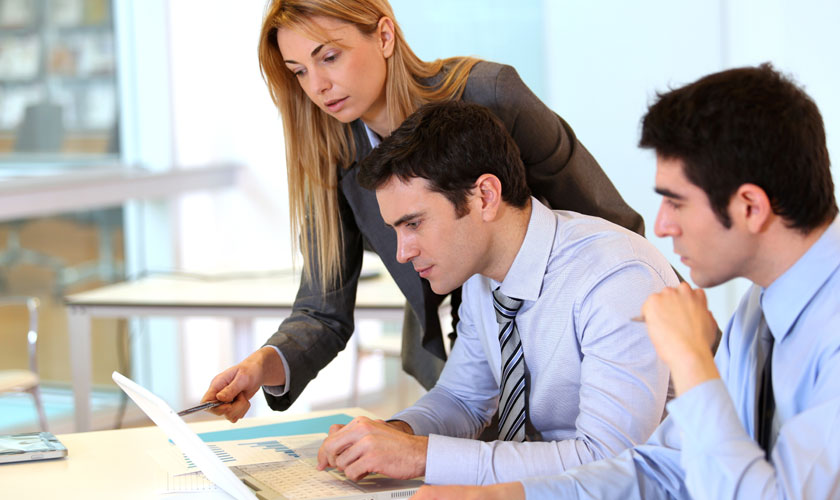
{"x": 747, "y": 125}
{"x": 450, "y": 144}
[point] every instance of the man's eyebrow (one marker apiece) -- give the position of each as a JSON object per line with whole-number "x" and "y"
{"x": 405, "y": 218}
{"x": 314, "y": 51}
{"x": 668, "y": 193}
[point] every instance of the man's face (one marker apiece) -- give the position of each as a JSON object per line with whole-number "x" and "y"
{"x": 714, "y": 253}
{"x": 443, "y": 248}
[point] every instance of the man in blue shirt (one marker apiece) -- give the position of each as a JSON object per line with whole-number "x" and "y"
{"x": 544, "y": 334}
{"x": 743, "y": 168}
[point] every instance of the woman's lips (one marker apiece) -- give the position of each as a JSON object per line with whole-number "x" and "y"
{"x": 335, "y": 104}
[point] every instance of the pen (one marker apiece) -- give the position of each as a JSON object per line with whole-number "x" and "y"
{"x": 202, "y": 406}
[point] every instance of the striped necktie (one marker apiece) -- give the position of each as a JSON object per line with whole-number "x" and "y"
{"x": 512, "y": 402}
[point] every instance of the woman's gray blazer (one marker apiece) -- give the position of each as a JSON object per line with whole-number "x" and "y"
{"x": 560, "y": 172}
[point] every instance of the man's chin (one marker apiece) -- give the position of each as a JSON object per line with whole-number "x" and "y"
{"x": 441, "y": 288}
{"x": 702, "y": 280}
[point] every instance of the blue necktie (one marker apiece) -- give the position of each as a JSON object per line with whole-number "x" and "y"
{"x": 513, "y": 404}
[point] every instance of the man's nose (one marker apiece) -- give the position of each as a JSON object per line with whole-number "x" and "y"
{"x": 406, "y": 249}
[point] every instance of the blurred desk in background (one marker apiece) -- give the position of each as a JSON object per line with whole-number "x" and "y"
{"x": 242, "y": 300}
{"x": 48, "y": 189}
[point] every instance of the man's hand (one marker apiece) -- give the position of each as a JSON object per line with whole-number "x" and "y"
{"x": 682, "y": 330}
{"x": 238, "y": 384}
{"x": 503, "y": 491}
{"x": 366, "y": 446}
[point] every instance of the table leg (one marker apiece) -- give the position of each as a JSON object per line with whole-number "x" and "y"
{"x": 78, "y": 325}
{"x": 243, "y": 338}
{"x": 354, "y": 369}
{"x": 243, "y": 343}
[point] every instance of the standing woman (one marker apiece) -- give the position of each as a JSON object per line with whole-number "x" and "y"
{"x": 343, "y": 77}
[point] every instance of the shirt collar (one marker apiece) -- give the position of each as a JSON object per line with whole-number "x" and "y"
{"x": 525, "y": 277}
{"x": 785, "y": 298}
{"x": 373, "y": 137}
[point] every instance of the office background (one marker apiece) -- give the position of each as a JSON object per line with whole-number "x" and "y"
{"x": 188, "y": 93}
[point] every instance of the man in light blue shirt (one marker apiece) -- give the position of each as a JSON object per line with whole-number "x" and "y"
{"x": 451, "y": 183}
{"x": 743, "y": 168}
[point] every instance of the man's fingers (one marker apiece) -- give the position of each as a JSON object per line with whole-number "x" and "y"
{"x": 333, "y": 445}
{"x": 356, "y": 462}
{"x": 356, "y": 472}
{"x": 322, "y": 459}
{"x": 424, "y": 493}
{"x": 324, "y": 455}
{"x": 352, "y": 454}
{"x": 427, "y": 492}
{"x": 365, "y": 446}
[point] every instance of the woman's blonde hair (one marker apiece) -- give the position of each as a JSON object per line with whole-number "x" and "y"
{"x": 316, "y": 143}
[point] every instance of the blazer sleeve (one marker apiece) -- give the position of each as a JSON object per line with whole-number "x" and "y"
{"x": 560, "y": 171}
{"x": 321, "y": 321}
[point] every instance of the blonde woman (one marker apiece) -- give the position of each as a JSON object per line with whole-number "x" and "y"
{"x": 343, "y": 77}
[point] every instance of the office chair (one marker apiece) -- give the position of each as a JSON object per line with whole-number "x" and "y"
{"x": 26, "y": 380}
{"x": 41, "y": 130}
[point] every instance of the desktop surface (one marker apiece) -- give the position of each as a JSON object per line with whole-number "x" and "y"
{"x": 113, "y": 464}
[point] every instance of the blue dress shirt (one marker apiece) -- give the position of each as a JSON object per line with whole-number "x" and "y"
{"x": 706, "y": 447}
{"x": 596, "y": 385}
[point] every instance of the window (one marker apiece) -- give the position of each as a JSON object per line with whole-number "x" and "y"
{"x": 58, "y": 98}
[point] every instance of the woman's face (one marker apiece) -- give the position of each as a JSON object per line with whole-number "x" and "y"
{"x": 344, "y": 75}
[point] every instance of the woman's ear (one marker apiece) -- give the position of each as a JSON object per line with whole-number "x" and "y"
{"x": 385, "y": 31}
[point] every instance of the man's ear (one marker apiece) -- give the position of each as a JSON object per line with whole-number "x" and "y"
{"x": 385, "y": 30}
{"x": 751, "y": 207}
{"x": 488, "y": 190}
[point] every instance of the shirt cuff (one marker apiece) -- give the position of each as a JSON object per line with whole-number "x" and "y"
{"x": 706, "y": 417}
{"x": 419, "y": 425}
{"x": 279, "y": 390}
{"x": 452, "y": 460}
{"x": 547, "y": 487}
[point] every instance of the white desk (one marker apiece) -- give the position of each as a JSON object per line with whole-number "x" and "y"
{"x": 112, "y": 464}
{"x": 24, "y": 194}
{"x": 242, "y": 300}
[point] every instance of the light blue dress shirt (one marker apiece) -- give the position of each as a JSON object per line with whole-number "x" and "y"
{"x": 596, "y": 385}
{"x": 706, "y": 447}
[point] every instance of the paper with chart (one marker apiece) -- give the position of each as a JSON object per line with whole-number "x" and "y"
{"x": 244, "y": 452}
